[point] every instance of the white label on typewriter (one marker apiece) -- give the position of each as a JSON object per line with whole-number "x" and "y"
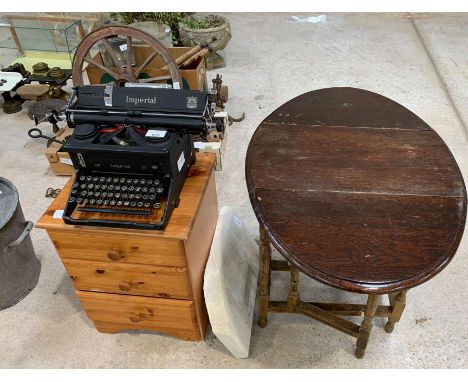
{"x": 123, "y": 47}
{"x": 156, "y": 133}
{"x": 181, "y": 161}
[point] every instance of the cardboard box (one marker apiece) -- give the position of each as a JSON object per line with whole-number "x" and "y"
{"x": 60, "y": 161}
{"x": 193, "y": 78}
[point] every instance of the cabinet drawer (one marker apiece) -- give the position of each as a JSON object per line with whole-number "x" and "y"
{"x": 113, "y": 313}
{"x": 119, "y": 249}
{"x": 133, "y": 279}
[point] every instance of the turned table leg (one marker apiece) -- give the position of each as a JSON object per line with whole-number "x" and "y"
{"x": 265, "y": 274}
{"x": 366, "y": 325}
{"x": 293, "y": 295}
{"x": 397, "y": 310}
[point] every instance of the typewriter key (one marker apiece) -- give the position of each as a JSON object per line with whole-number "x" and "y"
{"x": 131, "y": 189}
{"x": 99, "y": 201}
{"x": 85, "y": 201}
{"x": 75, "y": 184}
{"x": 147, "y": 205}
{"x": 83, "y": 185}
{"x": 126, "y": 203}
{"x": 144, "y": 190}
{"x": 89, "y": 178}
{"x": 79, "y": 200}
{"x": 129, "y": 181}
{"x": 71, "y": 200}
{"x": 84, "y": 193}
{"x": 110, "y": 188}
{"x": 149, "y": 182}
{"x": 122, "y": 180}
{"x": 124, "y": 196}
{"x": 95, "y": 179}
{"x": 104, "y": 194}
{"x": 151, "y": 197}
{"x": 109, "y": 179}
{"x": 144, "y": 197}
{"x": 74, "y": 191}
{"x": 152, "y": 190}
{"x": 115, "y": 180}
{"x": 117, "y": 195}
{"x": 137, "y": 189}
{"x": 131, "y": 196}
{"x": 137, "y": 196}
{"x": 102, "y": 179}
{"x": 110, "y": 195}
{"x": 90, "y": 193}
{"x": 104, "y": 187}
{"x": 117, "y": 188}
{"x": 119, "y": 203}
{"x": 123, "y": 188}
{"x": 92, "y": 201}
{"x": 142, "y": 182}
{"x": 140, "y": 204}
{"x": 82, "y": 177}
{"x": 112, "y": 202}
{"x": 160, "y": 190}
{"x": 156, "y": 182}
{"x": 132, "y": 204}
{"x": 90, "y": 186}
{"x": 97, "y": 194}
{"x": 135, "y": 181}
{"x": 157, "y": 205}
{"x": 105, "y": 202}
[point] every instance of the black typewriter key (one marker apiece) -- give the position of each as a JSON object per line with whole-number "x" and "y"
{"x": 160, "y": 190}
{"x": 108, "y": 179}
{"x": 135, "y": 181}
{"x": 105, "y": 202}
{"x": 142, "y": 182}
{"x": 144, "y": 197}
{"x": 144, "y": 190}
{"x": 89, "y": 178}
{"x": 115, "y": 180}
{"x": 95, "y": 179}
{"x": 110, "y": 195}
{"x": 152, "y": 190}
{"x": 124, "y": 188}
{"x": 99, "y": 201}
{"x": 131, "y": 189}
{"x": 102, "y": 179}
{"x": 90, "y": 186}
{"x": 90, "y": 193}
{"x": 117, "y": 188}
{"x": 75, "y": 184}
{"x": 133, "y": 204}
{"x": 129, "y": 180}
{"x": 74, "y": 191}
{"x": 147, "y": 205}
{"x": 97, "y": 186}
{"x": 122, "y": 180}
{"x": 104, "y": 187}
{"x": 97, "y": 194}
{"x": 140, "y": 204}
{"x": 83, "y": 185}
{"x": 119, "y": 203}
{"x": 151, "y": 197}
{"x": 149, "y": 182}
{"x": 82, "y": 177}
{"x": 137, "y": 189}
{"x": 112, "y": 203}
{"x": 137, "y": 196}
{"x": 85, "y": 201}
{"x": 126, "y": 203}
{"x": 156, "y": 182}
{"x": 117, "y": 195}
{"x": 84, "y": 193}
{"x": 110, "y": 188}
{"x": 131, "y": 196}
{"x": 157, "y": 205}
{"x": 92, "y": 201}
{"x": 79, "y": 200}
{"x": 124, "y": 196}
{"x": 71, "y": 200}
{"x": 104, "y": 194}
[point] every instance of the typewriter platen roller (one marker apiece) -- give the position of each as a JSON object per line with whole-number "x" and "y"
{"x": 132, "y": 149}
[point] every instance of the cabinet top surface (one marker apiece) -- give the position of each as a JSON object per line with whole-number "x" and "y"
{"x": 356, "y": 190}
{"x": 180, "y": 222}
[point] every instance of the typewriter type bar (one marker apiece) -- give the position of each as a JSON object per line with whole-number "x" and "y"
{"x": 117, "y": 200}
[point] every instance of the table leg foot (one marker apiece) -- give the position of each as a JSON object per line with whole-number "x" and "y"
{"x": 265, "y": 274}
{"x": 397, "y": 311}
{"x": 366, "y": 325}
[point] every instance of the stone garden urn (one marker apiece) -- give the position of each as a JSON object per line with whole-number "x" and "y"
{"x": 222, "y": 32}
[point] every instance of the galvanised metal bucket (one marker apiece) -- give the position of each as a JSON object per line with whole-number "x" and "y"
{"x": 19, "y": 266}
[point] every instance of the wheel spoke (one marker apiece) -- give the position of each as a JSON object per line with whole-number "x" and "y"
{"x": 102, "y": 67}
{"x": 129, "y": 54}
{"x": 152, "y": 79}
{"x": 145, "y": 64}
{"x": 111, "y": 52}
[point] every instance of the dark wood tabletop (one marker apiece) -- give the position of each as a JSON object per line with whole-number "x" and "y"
{"x": 356, "y": 191}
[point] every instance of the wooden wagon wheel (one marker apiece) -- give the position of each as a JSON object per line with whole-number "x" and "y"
{"x": 126, "y": 74}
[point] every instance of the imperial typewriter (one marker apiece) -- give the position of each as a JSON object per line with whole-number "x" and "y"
{"x": 132, "y": 148}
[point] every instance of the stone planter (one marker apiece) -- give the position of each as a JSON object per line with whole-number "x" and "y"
{"x": 192, "y": 37}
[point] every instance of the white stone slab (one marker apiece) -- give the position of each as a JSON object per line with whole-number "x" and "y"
{"x": 10, "y": 80}
{"x": 230, "y": 283}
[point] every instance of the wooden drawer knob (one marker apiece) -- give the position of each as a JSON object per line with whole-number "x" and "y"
{"x": 114, "y": 255}
{"x": 125, "y": 286}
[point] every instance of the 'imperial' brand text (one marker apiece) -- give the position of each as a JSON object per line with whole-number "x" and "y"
{"x": 137, "y": 101}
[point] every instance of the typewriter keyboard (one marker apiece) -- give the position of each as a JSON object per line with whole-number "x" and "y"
{"x": 129, "y": 195}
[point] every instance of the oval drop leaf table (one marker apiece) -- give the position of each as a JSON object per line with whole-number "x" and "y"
{"x": 357, "y": 192}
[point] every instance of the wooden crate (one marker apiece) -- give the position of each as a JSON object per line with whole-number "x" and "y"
{"x": 60, "y": 162}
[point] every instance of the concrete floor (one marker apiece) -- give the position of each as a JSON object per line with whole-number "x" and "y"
{"x": 270, "y": 59}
